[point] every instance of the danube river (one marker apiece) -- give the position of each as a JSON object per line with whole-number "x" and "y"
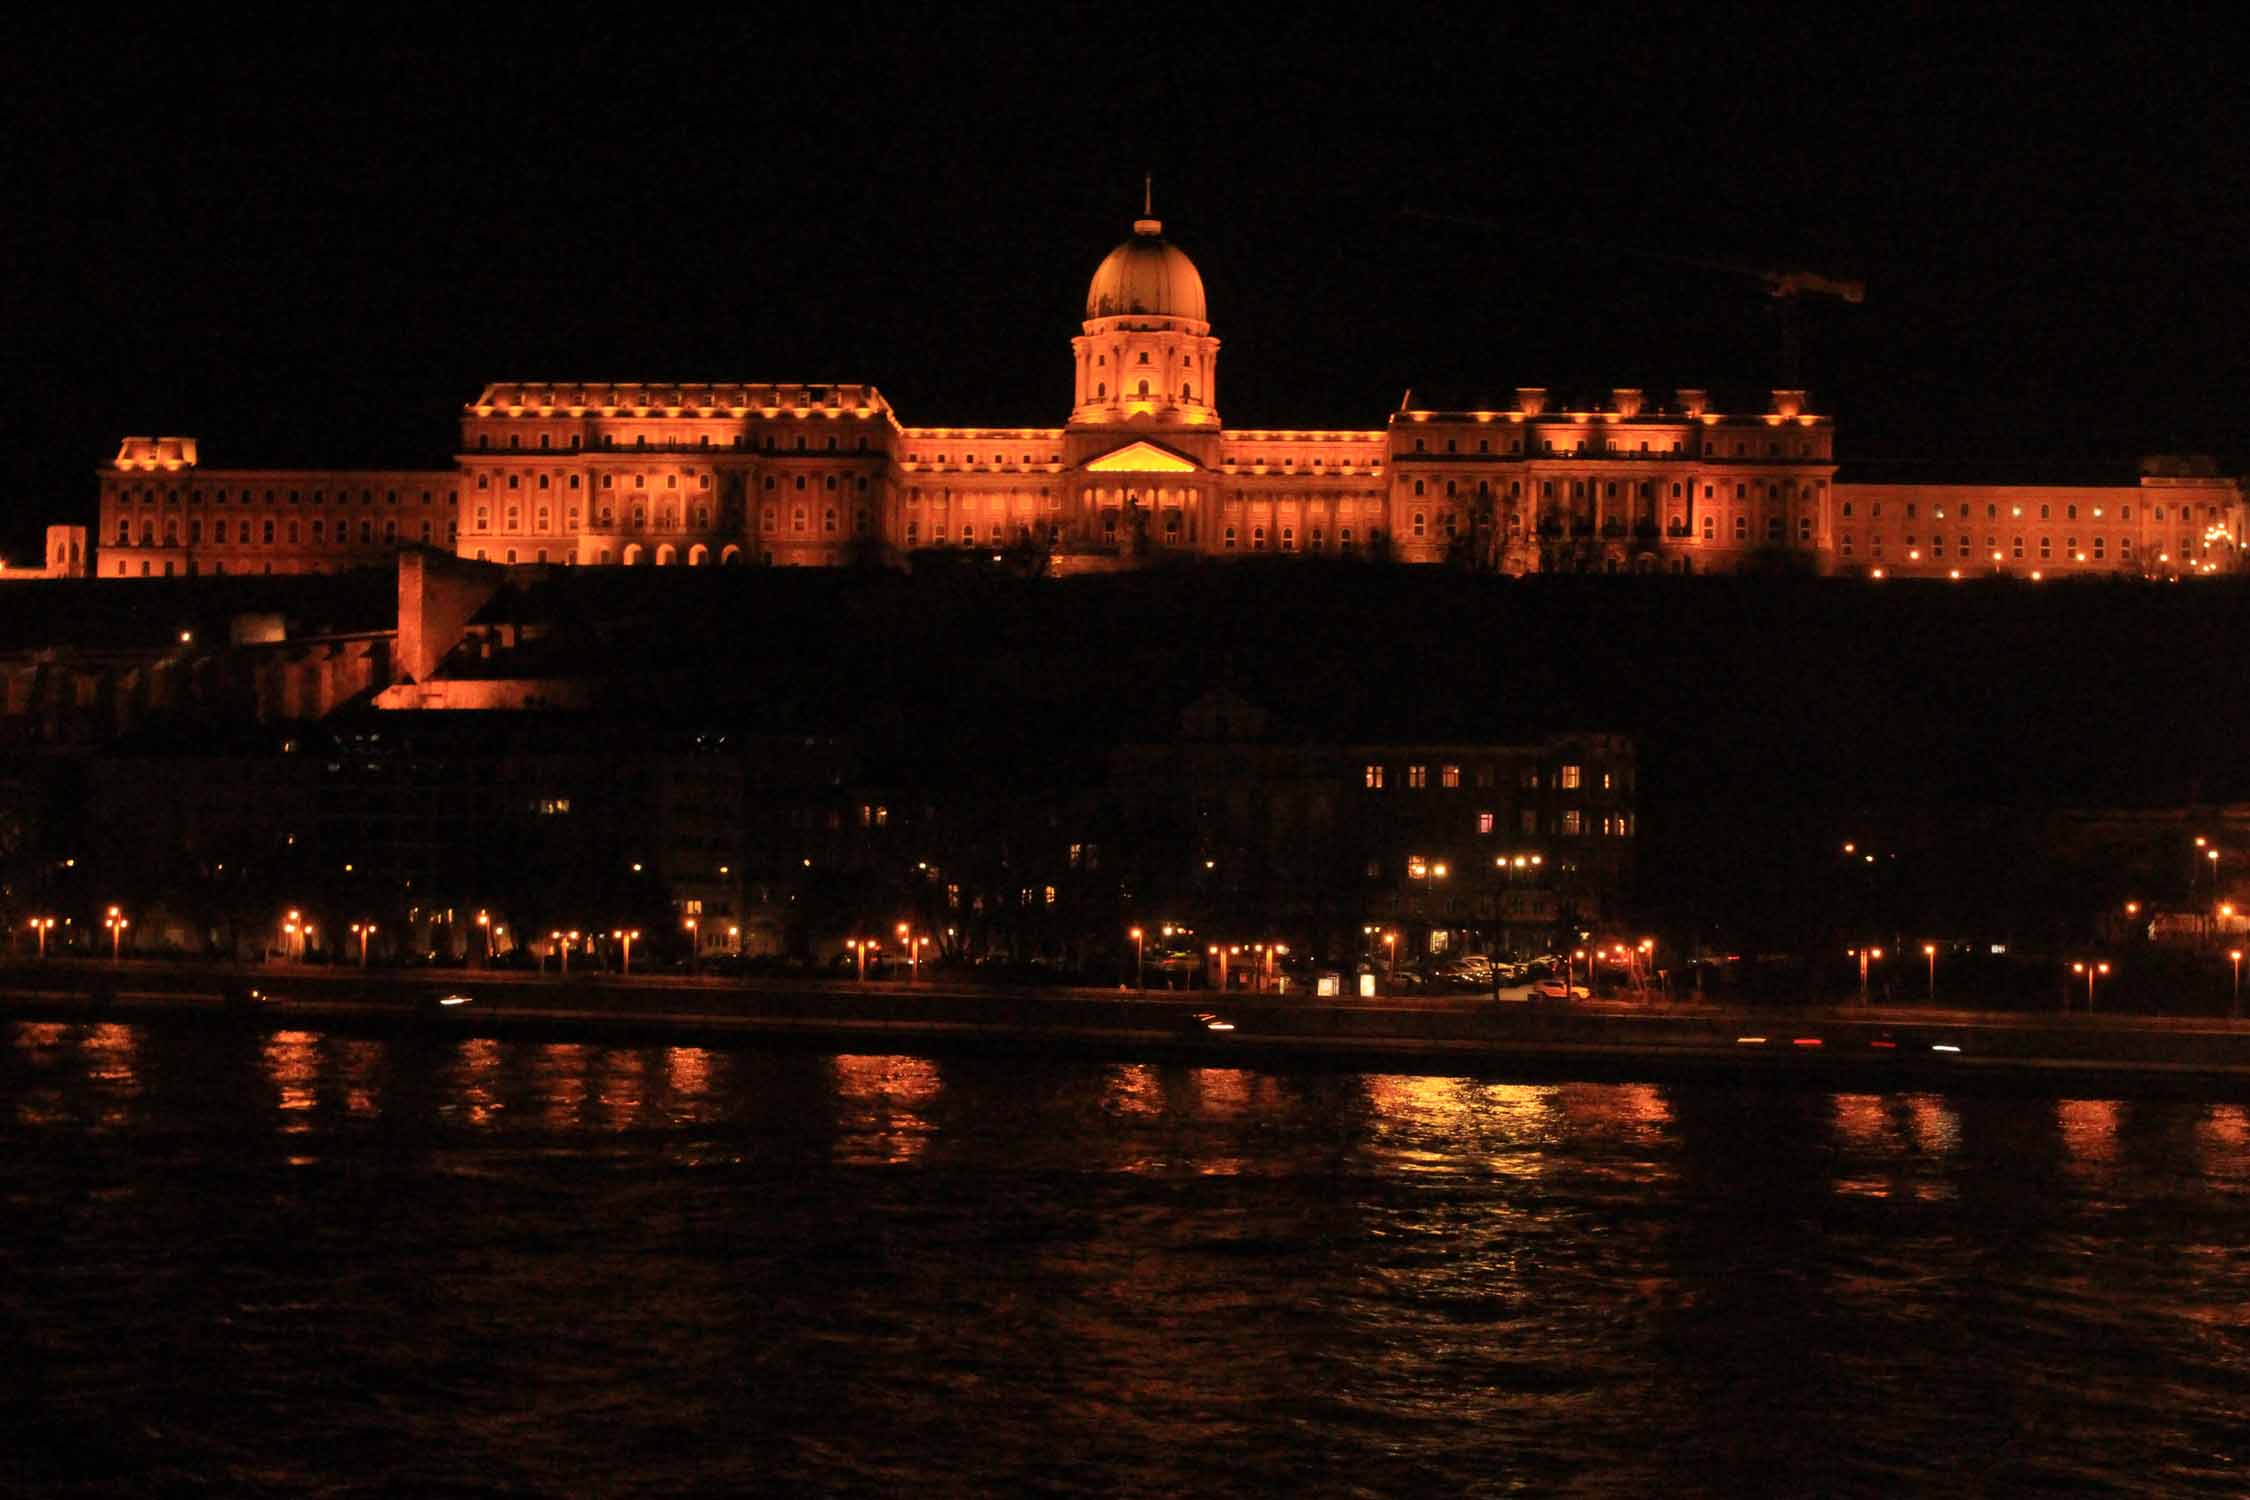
{"x": 243, "y": 1263}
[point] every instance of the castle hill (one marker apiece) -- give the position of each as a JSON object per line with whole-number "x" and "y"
{"x": 1646, "y": 696}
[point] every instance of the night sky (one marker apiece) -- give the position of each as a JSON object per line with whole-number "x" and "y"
{"x": 310, "y": 248}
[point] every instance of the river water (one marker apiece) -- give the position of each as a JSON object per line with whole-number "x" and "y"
{"x": 244, "y": 1264}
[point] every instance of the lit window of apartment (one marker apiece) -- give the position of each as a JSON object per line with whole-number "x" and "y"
{"x": 1449, "y": 776}
{"x": 1484, "y": 822}
{"x": 1372, "y": 775}
{"x": 1417, "y": 778}
{"x": 1573, "y": 821}
{"x": 1570, "y": 778}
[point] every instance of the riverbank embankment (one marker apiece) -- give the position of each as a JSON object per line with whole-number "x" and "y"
{"x": 1919, "y": 1047}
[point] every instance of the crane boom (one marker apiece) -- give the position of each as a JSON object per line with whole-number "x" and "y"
{"x": 1784, "y": 286}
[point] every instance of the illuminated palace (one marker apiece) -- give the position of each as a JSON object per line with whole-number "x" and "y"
{"x": 716, "y": 474}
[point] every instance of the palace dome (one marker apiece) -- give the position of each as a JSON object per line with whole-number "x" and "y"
{"x": 1146, "y": 276}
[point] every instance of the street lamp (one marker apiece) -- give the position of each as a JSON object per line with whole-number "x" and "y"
{"x": 1140, "y": 973}
{"x": 694, "y": 945}
{"x": 2090, "y": 970}
{"x": 2234, "y": 1011}
{"x": 1390, "y": 941}
{"x": 1929, "y": 951}
{"x": 1219, "y": 953}
{"x": 363, "y": 930}
{"x": 859, "y": 948}
{"x": 116, "y": 924}
{"x": 1865, "y": 957}
{"x": 626, "y": 935}
{"x": 484, "y": 921}
{"x": 42, "y": 925}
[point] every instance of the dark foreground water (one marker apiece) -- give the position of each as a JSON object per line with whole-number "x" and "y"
{"x": 236, "y": 1264}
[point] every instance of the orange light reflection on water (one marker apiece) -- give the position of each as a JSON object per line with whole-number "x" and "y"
{"x": 2089, "y": 1131}
{"x": 883, "y": 1107}
{"x": 292, "y": 1066}
{"x": 476, "y": 1074}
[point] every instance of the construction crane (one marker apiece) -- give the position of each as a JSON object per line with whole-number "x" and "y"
{"x": 1785, "y": 287}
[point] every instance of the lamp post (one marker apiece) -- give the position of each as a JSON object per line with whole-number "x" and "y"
{"x": 2090, "y": 970}
{"x": 1140, "y": 972}
{"x": 859, "y": 957}
{"x": 363, "y": 931}
{"x": 484, "y": 936}
{"x": 2234, "y": 1011}
{"x": 1929, "y": 951}
{"x": 116, "y": 924}
{"x": 694, "y": 945}
{"x": 1390, "y": 941}
{"x": 42, "y": 925}
{"x": 1865, "y": 956}
{"x": 626, "y": 935}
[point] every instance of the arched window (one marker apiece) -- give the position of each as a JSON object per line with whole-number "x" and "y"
{"x": 1187, "y": 392}
{"x": 1144, "y": 387}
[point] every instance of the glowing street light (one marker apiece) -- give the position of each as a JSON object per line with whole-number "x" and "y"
{"x": 1929, "y": 951}
{"x": 1865, "y": 956}
{"x": 2091, "y": 969}
{"x": 626, "y": 936}
{"x": 116, "y": 923}
{"x": 694, "y": 945}
{"x": 363, "y": 931}
{"x": 42, "y": 926}
{"x": 1390, "y": 941}
{"x": 484, "y": 921}
{"x": 1140, "y": 973}
{"x": 1220, "y": 954}
{"x": 859, "y": 947}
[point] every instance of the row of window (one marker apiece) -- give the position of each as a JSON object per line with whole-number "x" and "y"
{"x": 1845, "y": 544}
{"x": 609, "y": 444}
{"x": 1570, "y": 776}
{"x": 1800, "y": 448}
{"x": 249, "y": 532}
{"x": 1316, "y": 539}
{"x": 1643, "y": 490}
{"x": 2046, "y": 512}
{"x": 273, "y": 497}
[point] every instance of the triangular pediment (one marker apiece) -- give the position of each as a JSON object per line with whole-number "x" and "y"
{"x": 1142, "y": 457}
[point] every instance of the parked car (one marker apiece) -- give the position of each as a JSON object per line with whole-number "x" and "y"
{"x": 1556, "y": 989}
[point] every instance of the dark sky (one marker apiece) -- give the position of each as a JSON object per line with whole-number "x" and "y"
{"x": 312, "y": 246}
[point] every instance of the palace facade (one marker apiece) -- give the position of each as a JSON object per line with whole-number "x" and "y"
{"x": 640, "y": 474}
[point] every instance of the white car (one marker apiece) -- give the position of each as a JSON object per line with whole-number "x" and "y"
{"x": 1556, "y": 989}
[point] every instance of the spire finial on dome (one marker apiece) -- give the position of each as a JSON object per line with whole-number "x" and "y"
{"x": 1148, "y": 223}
